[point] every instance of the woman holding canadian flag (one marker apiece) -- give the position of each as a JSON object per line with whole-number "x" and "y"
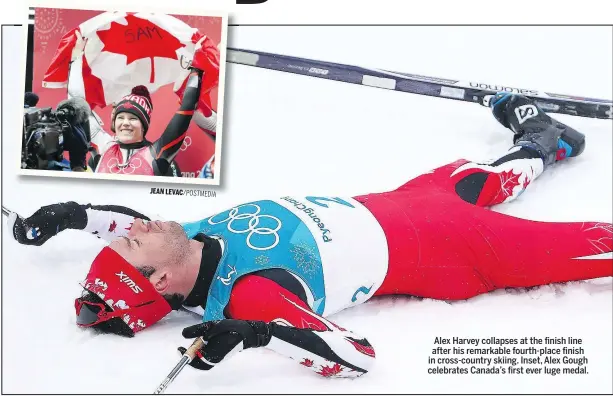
{"x": 119, "y": 59}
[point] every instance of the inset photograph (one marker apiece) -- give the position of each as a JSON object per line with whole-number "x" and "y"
{"x": 124, "y": 95}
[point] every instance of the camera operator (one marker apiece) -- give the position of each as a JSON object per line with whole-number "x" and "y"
{"x": 30, "y": 99}
{"x": 48, "y": 134}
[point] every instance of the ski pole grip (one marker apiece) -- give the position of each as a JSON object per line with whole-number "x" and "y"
{"x": 196, "y": 345}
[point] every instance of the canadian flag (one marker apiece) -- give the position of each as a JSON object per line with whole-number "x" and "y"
{"x": 103, "y": 58}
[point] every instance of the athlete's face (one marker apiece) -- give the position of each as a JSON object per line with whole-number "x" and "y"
{"x": 160, "y": 245}
{"x": 128, "y": 128}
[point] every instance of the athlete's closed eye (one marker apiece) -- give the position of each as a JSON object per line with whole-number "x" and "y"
{"x": 131, "y": 242}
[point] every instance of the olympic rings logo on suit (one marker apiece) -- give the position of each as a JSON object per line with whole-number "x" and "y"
{"x": 253, "y": 229}
{"x": 129, "y": 168}
{"x": 186, "y": 143}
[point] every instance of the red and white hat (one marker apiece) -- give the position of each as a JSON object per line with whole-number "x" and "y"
{"x": 131, "y": 296}
{"x": 138, "y": 102}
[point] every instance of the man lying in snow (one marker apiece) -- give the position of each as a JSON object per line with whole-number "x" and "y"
{"x": 267, "y": 273}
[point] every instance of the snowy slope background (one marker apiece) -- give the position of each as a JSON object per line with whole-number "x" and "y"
{"x": 293, "y": 134}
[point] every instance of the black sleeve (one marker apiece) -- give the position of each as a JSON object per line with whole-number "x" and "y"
{"x": 167, "y": 146}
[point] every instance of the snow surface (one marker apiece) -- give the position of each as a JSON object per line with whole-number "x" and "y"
{"x": 291, "y": 134}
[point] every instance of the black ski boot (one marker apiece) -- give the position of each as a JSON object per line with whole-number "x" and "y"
{"x": 535, "y": 129}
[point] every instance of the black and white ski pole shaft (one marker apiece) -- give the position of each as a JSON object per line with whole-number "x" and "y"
{"x": 5, "y": 211}
{"x": 187, "y": 357}
{"x": 467, "y": 91}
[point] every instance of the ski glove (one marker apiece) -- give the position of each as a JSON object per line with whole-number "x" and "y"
{"x": 224, "y": 337}
{"x": 46, "y": 222}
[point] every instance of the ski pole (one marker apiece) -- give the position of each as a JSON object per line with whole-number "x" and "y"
{"x": 187, "y": 357}
{"x": 5, "y": 211}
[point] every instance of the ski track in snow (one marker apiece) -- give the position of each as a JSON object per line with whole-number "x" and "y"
{"x": 292, "y": 134}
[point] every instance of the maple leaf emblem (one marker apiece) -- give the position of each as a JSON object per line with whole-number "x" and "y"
{"x": 307, "y": 362}
{"x": 601, "y": 242}
{"x": 305, "y": 324}
{"x": 112, "y": 226}
{"x": 526, "y": 182}
{"x": 508, "y": 181}
{"x": 101, "y": 284}
{"x": 139, "y": 38}
{"x": 329, "y": 371}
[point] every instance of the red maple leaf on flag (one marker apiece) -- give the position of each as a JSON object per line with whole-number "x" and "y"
{"x": 508, "y": 181}
{"x": 329, "y": 371}
{"x": 138, "y": 39}
{"x": 112, "y": 226}
{"x": 307, "y": 362}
